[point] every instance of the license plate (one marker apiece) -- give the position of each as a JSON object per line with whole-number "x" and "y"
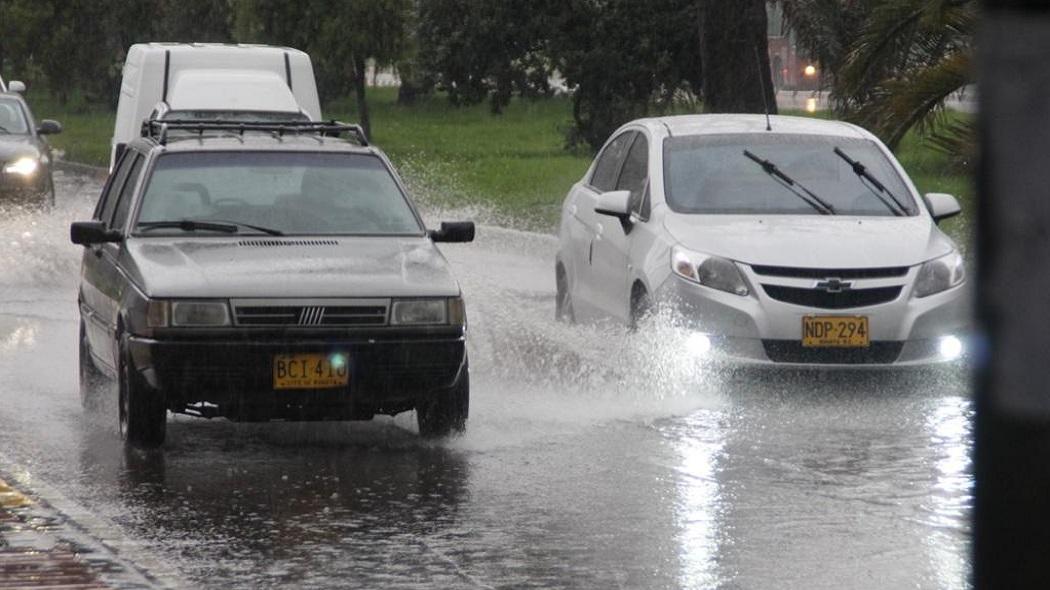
{"x": 310, "y": 371}
{"x": 835, "y": 332}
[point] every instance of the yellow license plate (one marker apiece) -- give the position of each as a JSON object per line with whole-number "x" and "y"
{"x": 310, "y": 371}
{"x": 835, "y": 332}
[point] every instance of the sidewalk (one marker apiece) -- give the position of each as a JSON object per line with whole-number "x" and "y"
{"x": 30, "y": 555}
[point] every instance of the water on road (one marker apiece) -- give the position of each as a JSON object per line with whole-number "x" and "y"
{"x": 593, "y": 458}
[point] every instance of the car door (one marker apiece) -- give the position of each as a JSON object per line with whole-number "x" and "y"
{"x": 610, "y": 266}
{"x": 586, "y": 299}
{"x": 103, "y": 283}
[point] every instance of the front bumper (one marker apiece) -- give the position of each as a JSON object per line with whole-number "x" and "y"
{"x": 759, "y": 330}
{"x": 233, "y": 377}
{"x": 26, "y": 190}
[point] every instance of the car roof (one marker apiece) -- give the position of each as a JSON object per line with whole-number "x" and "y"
{"x": 752, "y": 123}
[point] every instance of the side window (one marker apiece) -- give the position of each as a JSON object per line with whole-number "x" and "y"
{"x": 635, "y": 172}
{"x": 608, "y": 167}
{"x": 108, "y": 201}
{"x": 120, "y": 214}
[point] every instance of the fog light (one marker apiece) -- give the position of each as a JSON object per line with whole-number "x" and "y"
{"x": 698, "y": 345}
{"x": 337, "y": 360}
{"x": 950, "y": 347}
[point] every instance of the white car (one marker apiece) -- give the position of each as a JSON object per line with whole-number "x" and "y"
{"x": 787, "y": 241}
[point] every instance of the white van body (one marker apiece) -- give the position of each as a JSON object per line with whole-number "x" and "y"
{"x": 177, "y": 80}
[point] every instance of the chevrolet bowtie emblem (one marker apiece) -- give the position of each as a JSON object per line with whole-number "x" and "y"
{"x": 834, "y": 285}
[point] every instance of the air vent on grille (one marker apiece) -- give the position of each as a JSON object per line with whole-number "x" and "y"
{"x": 311, "y": 315}
{"x": 792, "y": 351}
{"x": 823, "y": 273}
{"x": 279, "y": 243}
{"x": 825, "y": 300}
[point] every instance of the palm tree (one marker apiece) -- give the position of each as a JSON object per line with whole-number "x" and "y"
{"x": 904, "y": 60}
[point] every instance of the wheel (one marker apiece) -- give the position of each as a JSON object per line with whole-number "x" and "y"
{"x": 563, "y": 311}
{"x": 641, "y": 307}
{"x": 446, "y": 412}
{"x": 142, "y": 415}
{"x": 92, "y": 380}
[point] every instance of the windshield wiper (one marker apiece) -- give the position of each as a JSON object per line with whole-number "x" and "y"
{"x": 229, "y": 227}
{"x": 266, "y": 230}
{"x": 862, "y": 172}
{"x": 811, "y": 199}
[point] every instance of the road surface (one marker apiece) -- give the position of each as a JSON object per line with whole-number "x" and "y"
{"x": 593, "y": 459}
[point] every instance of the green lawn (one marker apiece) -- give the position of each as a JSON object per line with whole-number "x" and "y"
{"x": 512, "y": 166}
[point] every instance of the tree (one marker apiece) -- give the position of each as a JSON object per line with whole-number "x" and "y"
{"x": 623, "y": 59}
{"x": 340, "y": 36}
{"x": 894, "y": 63}
{"x": 484, "y": 49}
{"x": 735, "y": 52}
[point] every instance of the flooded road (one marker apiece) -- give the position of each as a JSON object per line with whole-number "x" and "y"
{"x": 593, "y": 458}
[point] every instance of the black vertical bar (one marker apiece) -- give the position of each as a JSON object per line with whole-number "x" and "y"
{"x": 1012, "y": 451}
{"x": 288, "y": 70}
{"x": 167, "y": 71}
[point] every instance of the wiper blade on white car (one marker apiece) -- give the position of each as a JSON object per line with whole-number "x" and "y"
{"x": 230, "y": 227}
{"x": 811, "y": 199}
{"x": 862, "y": 172}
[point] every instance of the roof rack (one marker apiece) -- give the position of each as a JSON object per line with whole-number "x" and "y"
{"x": 159, "y": 129}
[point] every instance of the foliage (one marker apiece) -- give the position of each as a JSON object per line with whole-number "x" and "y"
{"x": 904, "y": 58}
{"x": 479, "y": 49}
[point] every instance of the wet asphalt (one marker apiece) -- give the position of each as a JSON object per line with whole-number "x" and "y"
{"x": 593, "y": 458}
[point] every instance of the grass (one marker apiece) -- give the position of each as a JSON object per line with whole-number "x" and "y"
{"x": 514, "y": 165}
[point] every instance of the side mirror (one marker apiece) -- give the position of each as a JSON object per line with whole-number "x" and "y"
{"x": 89, "y": 233}
{"x": 614, "y": 203}
{"x": 453, "y": 231}
{"x": 49, "y": 127}
{"x": 16, "y": 86}
{"x": 942, "y": 206}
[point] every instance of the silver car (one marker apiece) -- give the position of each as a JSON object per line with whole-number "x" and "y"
{"x": 792, "y": 241}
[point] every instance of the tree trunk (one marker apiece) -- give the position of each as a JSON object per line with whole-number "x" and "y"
{"x": 734, "y": 51}
{"x": 360, "y": 82}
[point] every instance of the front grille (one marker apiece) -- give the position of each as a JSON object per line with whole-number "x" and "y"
{"x": 822, "y": 299}
{"x": 792, "y": 351}
{"x": 310, "y": 315}
{"x": 823, "y": 273}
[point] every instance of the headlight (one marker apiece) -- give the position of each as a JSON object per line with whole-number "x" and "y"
{"x": 940, "y": 274}
{"x": 22, "y": 167}
{"x": 419, "y": 312}
{"x": 182, "y": 314}
{"x": 710, "y": 271}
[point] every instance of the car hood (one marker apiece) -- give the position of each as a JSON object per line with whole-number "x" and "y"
{"x": 18, "y": 146}
{"x": 811, "y": 242}
{"x": 288, "y": 267}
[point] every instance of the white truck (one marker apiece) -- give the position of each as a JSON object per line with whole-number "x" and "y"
{"x": 212, "y": 81}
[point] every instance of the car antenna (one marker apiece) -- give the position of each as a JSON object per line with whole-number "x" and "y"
{"x": 762, "y": 84}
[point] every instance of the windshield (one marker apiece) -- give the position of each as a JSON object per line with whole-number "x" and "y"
{"x": 305, "y": 193}
{"x": 12, "y": 118}
{"x": 246, "y": 116}
{"x": 709, "y": 174}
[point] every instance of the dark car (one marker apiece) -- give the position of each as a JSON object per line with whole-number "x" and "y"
{"x": 25, "y": 156}
{"x": 267, "y": 271}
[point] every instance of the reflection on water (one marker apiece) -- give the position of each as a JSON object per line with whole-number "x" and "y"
{"x": 698, "y": 509}
{"x": 21, "y": 336}
{"x": 950, "y": 423}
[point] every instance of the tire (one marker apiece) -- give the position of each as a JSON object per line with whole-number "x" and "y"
{"x": 142, "y": 416}
{"x": 563, "y": 311}
{"x": 446, "y": 412}
{"x": 642, "y": 307}
{"x": 92, "y": 381}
